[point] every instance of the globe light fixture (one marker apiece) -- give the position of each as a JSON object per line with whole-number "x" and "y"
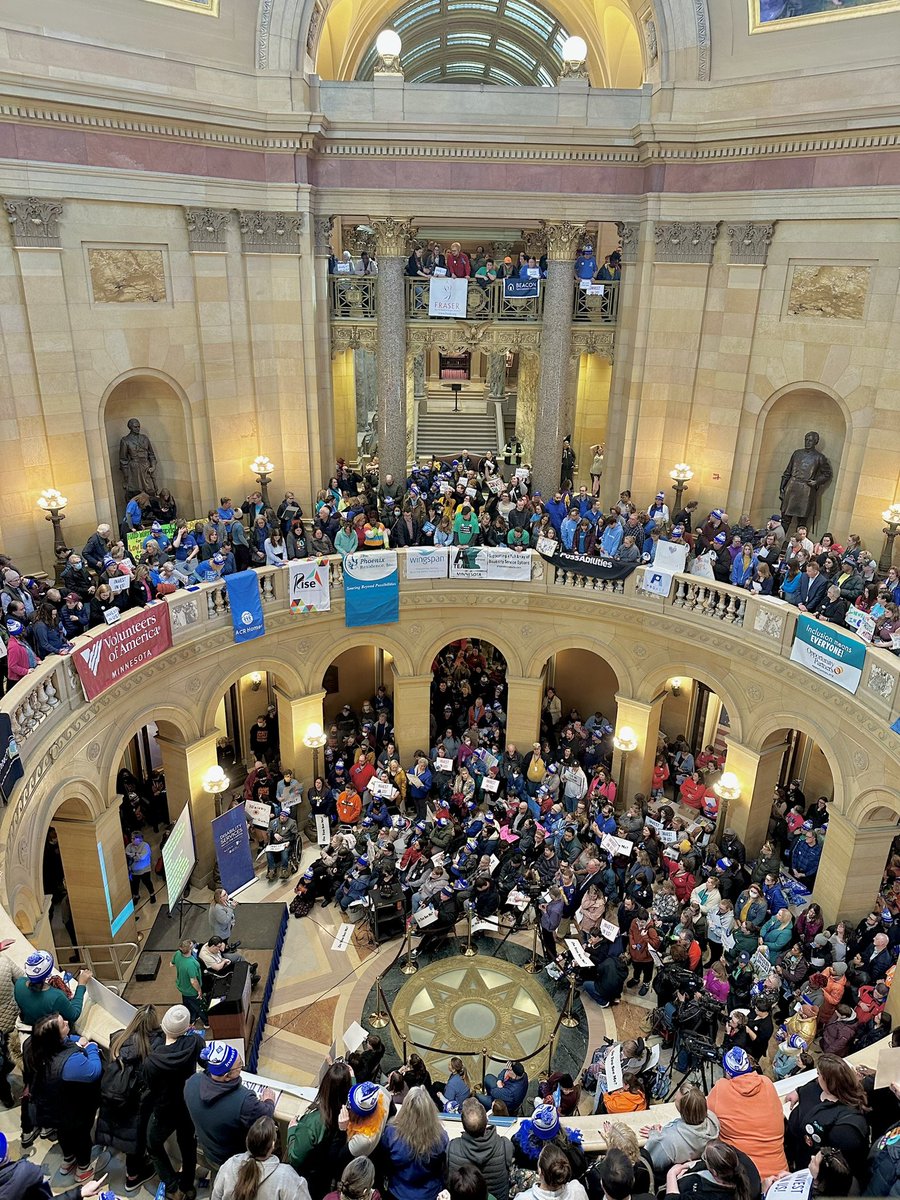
{"x": 215, "y": 781}
{"x": 682, "y": 475}
{"x": 727, "y": 787}
{"x": 625, "y": 739}
{"x": 892, "y": 516}
{"x": 574, "y": 56}
{"x": 53, "y": 502}
{"x": 388, "y": 46}
{"x": 314, "y": 739}
{"x": 262, "y": 469}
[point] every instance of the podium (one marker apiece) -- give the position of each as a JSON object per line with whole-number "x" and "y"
{"x": 229, "y": 1005}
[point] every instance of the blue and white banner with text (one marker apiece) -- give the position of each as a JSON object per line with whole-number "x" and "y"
{"x": 246, "y": 605}
{"x": 231, "y": 839}
{"x": 829, "y": 653}
{"x": 371, "y": 588}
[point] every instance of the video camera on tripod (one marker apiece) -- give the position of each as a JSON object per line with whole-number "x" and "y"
{"x": 701, "y": 1048}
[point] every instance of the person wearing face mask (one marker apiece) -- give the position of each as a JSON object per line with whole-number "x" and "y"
{"x": 751, "y": 906}
{"x": 75, "y": 577}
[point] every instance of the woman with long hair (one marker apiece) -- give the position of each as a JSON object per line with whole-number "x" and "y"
{"x": 65, "y": 1070}
{"x": 316, "y": 1140}
{"x": 457, "y": 1087}
{"x": 416, "y": 1148}
{"x": 835, "y": 1102}
{"x": 357, "y": 1181}
{"x": 259, "y": 1173}
{"x": 720, "y": 1174}
{"x": 124, "y": 1111}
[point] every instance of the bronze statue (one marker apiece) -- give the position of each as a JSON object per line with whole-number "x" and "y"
{"x": 807, "y": 472}
{"x": 137, "y": 461}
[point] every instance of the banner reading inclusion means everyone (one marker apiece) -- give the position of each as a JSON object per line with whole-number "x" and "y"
{"x": 371, "y": 588}
{"x": 827, "y": 652}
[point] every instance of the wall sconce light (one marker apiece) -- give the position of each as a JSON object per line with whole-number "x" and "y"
{"x": 625, "y": 740}
{"x": 727, "y": 788}
{"x": 892, "y": 516}
{"x": 676, "y": 686}
{"x": 262, "y": 469}
{"x": 215, "y": 781}
{"x": 574, "y": 56}
{"x": 388, "y": 47}
{"x": 682, "y": 475}
{"x": 255, "y": 680}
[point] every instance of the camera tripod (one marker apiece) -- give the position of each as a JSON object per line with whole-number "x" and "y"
{"x": 699, "y": 1070}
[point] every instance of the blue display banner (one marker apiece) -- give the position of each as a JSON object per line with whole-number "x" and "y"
{"x": 231, "y": 838}
{"x": 520, "y": 289}
{"x": 371, "y": 588}
{"x": 246, "y": 605}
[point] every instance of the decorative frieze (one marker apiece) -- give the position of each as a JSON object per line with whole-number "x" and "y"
{"x": 629, "y": 235}
{"x": 563, "y": 239}
{"x": 685, "y": 241}
{"x": 207, "y": 228}
{"x": 270, "y": 232}
{"x": 750, "y": 241}
{"x": 393, "y": 237}
{"x": 323, "y": 228}
{"x": 34, "y": 221}
{"x": 593, "y": 341}
{"x": 466, "y": 337}
{"x": 650, "y": 40}
{"x": 353, "y": 337}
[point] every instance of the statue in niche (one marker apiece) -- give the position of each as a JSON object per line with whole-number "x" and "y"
{"x": 137, "y": 461}
{"x": 807, "y": 472}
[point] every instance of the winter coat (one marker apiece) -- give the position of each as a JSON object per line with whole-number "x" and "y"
{"x": 884, "y": 1165}
{"x": 222, "y": 1114}
{"x": 756, "y": 910}
{"x": 640, "y": 940}
{"x": 751, "y": 1118}
{"x": 9, "y": 1010}
{"x": 490, "y": 1153}
{"x": 21, "y": 1179}
{"x": 123, "y": 1126}
{"x": 315, "y": 1153}
{"x": 408, "y": 1177}
{"x": 277, "y": 1181}
{"x": 167, "y": 1069}
{"x": 679, "y": 1142}
{"x": 838, "y": 1034}
{"x": 776, "y": 936}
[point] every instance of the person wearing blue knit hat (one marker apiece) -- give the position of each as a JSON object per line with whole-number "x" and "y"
{"x": 541, "y": 1129}
{"x": 35, "y": 995}
{"x": 221, "y": 1108}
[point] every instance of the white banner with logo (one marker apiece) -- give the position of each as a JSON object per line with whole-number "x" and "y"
{"x": 310, "y": 587}
{"x": 658, "y": 583}
{"x": 670, "y": 557}
{"x": 447, "y": 297}
{"x": 427, "y": 562}
{"x": 489, "y": 562}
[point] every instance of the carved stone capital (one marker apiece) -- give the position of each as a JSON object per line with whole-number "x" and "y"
{"x": 629, "y": 235}
{"x": 685, "y": 242}
{"x": 593, "y": 341}
{"x": 392, "y": 237}
{"x": 34, "y": 221}
{"x": 462, "y": 337}
{"x": 323, "y": 227}
{"x": 269, "y": 232}
{"x": 534, "y": 242}
{"x": 563, "y": 239}
{"x": 357, "y": 238}
{"x": 353, "y": 337}
{"x": 750, "y": 241}
{"x": 500, "y": 250}
{"x": 207, "y": 228}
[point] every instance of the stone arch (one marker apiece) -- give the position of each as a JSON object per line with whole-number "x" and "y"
{"x": 553, "y": 644}
{"x": 654, "y": 679}
{"x": 287, "y": 35}
{"x": 173, "y": 438}
{"x": 873, "y": 806}
{"x": 324, "y": 657}
{"x": 215, "y": 689}
{"x": 168, "y": 717}
{"x": 25, "y": 889}
{"x": 467, "y": 629}
{"x": 824, "y": 738}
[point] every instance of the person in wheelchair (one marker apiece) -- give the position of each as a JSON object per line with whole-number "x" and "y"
{"x": 217, "y": 963}
{"x": 282, "y": 840}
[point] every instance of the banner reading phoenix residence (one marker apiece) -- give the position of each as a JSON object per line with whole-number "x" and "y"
{"x": 829, "y": 653}
{"x": 126, "y": 645}
{"x": 371, "y": 588}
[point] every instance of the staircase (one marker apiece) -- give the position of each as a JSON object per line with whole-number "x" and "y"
{"x": 453, "y": 432}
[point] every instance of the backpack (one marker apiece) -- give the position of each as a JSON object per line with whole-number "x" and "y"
{"x": 120, "y": 1087}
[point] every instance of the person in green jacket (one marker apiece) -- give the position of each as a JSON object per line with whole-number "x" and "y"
{"x": 465, "y": 526}
{"x": 317, "y": 1140}
{"x": 189, "y": 979}
{"x": 777, "y": 932}
{"x": 39, "y": 991}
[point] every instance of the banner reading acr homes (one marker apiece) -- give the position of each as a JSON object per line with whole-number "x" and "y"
{"x": 116, "y": 651}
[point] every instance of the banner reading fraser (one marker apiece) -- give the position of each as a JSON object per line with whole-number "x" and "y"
{"x": 310, "y": 586}
{"x": 829, "y": 653}
{"x": 371, "y": 588}
{"x": 116, "y": 652}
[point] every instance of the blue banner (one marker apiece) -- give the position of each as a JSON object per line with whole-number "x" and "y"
{"x": 246, "y": 605}
{"x": 231, "y": 838}
{"x": 371, "y": 588}
{"x": 520, "y": 289}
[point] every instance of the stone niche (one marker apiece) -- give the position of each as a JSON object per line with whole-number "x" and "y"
{"x": 830, "y": 292}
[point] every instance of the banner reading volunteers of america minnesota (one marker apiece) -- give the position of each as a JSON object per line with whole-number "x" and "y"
{"x": 116, "y": 651}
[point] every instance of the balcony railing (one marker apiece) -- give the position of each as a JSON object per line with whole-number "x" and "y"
{"x": 354, "y": 298}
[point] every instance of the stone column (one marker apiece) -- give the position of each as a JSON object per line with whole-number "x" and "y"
{"x": 523, "y": 711}
{"x": 851, "y": 867}
{"x": 294, "y": 718}
{"x": 526, "y": 404}
{"x": 757, "y": 773}
{"x": 556, "y": 343}
{"x": 496, "y": 375}
{"x": 185, "y": 764}
{"x": 96, "y": 872}
{"x": 412, "y": 713}
{"x": 366, "y": 385}
{"x": 391, "y": 239}
{"x": 322, "y": 231}
{"x": 633, "y": 771}
{"x": 419, "y": 376}
{"x": 624, "y": 392}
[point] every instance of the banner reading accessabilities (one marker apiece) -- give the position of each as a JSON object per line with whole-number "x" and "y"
{"x": 829, "y": 653}
{"x": 371, "y": 588}
{"x": 584, "y": 564}
{"x": 116, "y": 652}
{"x": 310, "y": 586}
{"x": 427, "y": 562}
{"x": 231, "y": 838}
{"x": 489, "y": 562}
{"x": 447, "y": 297}
{"x": 246, "y": 605}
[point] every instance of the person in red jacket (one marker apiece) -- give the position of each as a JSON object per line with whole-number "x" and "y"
{"x": 692, "y": 791}
{"x": 458, "y": 263}
{"x": 683, "y": 881}
{"x": 642, "y": 936}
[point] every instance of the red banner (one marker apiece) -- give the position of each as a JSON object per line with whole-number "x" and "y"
{"x": 126, "y": 645}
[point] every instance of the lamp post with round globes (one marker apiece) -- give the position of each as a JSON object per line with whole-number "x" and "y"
{"x": 262, "y": 469}
{"x": 728, "y": 789}
{"x": 53, "y": 503}
{"x": 574, "y": 56}
{"x": 892, "y": 516}
{"x": 314, "y": 740}
{"x": 388, "y": 47}
{"x": 682, "y": 475}
{"x": 215, "y": 782}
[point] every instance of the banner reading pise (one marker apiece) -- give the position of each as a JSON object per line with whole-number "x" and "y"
{"x": 126, "y": 645}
